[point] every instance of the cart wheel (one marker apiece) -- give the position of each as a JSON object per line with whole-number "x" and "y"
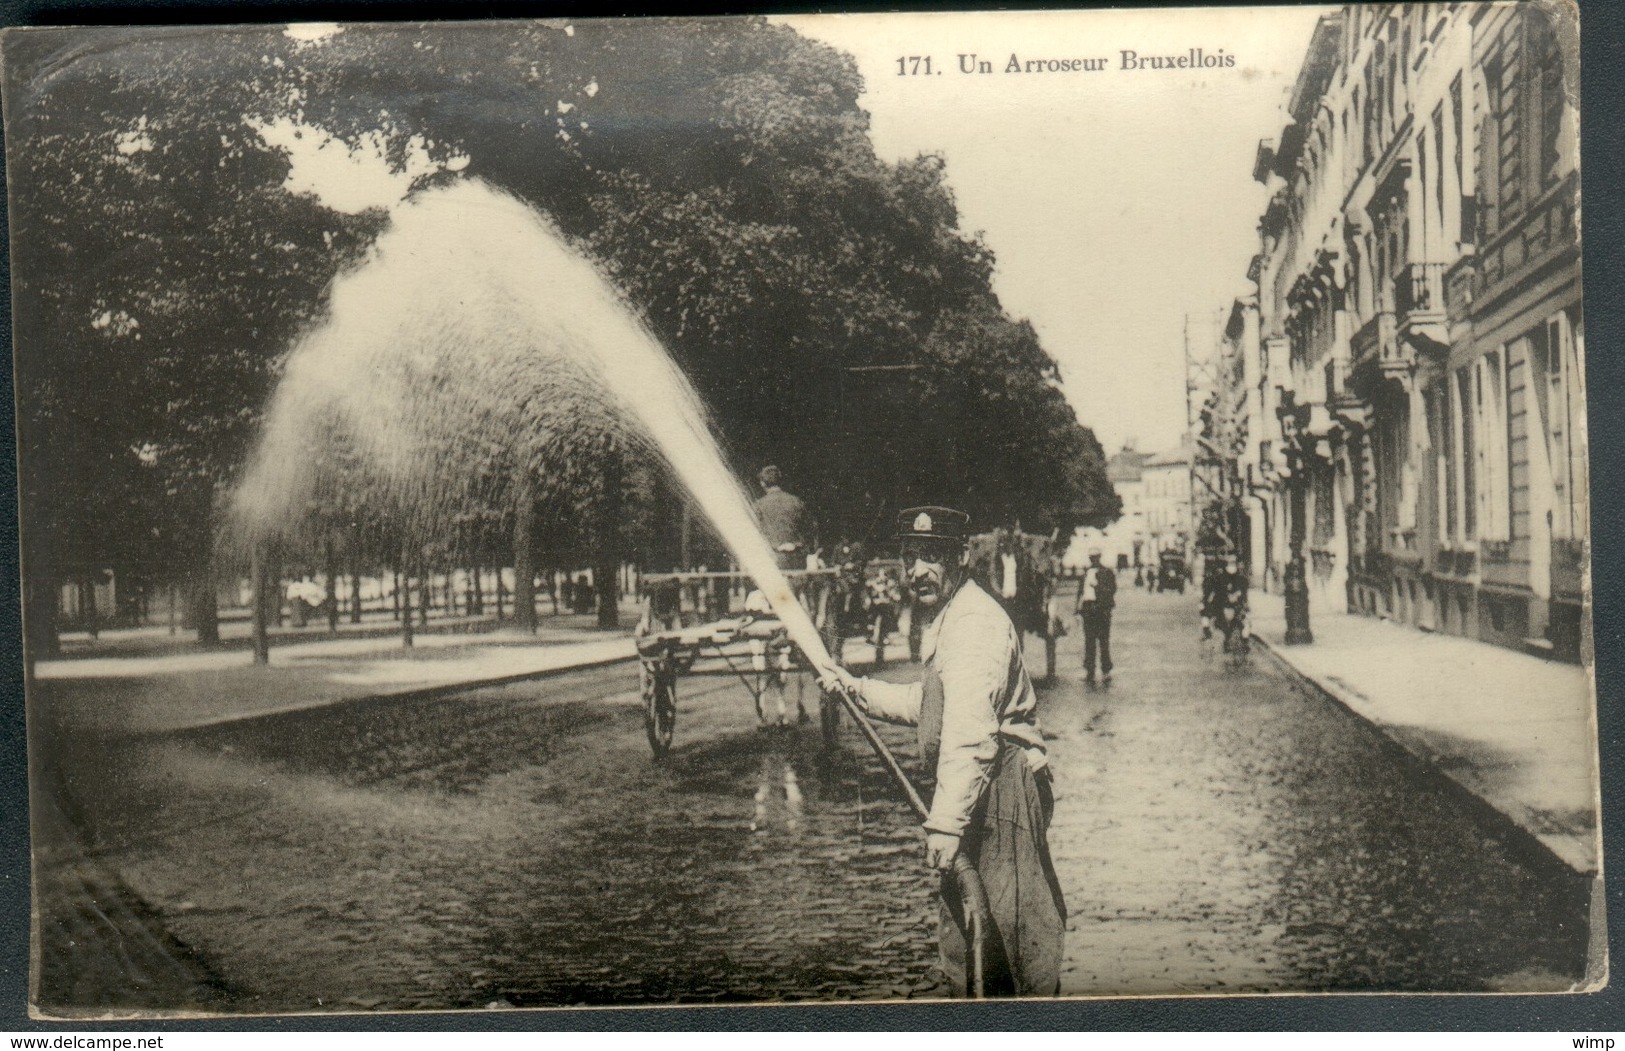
{"x": 659, "y": 709}
{"x": 829, "y": 719}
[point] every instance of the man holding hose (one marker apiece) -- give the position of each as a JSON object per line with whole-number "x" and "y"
{"x": 977, "y": 716}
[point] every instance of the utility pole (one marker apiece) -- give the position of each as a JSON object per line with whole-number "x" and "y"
{"x": 1212, "y": 460}
{"x": 1199, "y": 383}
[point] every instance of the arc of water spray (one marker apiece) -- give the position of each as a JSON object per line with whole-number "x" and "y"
{"x": 474, "y": 324}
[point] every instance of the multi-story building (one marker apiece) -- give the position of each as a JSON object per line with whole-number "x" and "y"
{"x": 1419, "y": 313}
{"x": 1165, "y": 501}
{"x": 1124, "y": 540}
{"x": 1155, "y": 490}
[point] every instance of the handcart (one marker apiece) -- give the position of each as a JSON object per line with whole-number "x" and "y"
{"x": 682, "y": 634}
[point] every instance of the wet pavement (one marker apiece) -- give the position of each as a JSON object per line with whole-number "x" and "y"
{"x": 1218, "y": 829}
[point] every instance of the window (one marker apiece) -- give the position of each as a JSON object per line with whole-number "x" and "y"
{"x": 1504, "y": 96}
{"x": 1445, "y": 443}
{"x": 1465, "y": 453}
{"x": 1391, "y": 441}
{"x": 1549, "y": 61}
{"x": 1418, "y": 251}
{"x": 1362, "y": 126}
{"x": 1521, "y": 142}
{"x": 1558, "y": 383}
{"x": 1441, "y": 178}
{"x": 1467, "y": 214}
{"x": 1490, "y": 429}
{"x": 1343, "y": 147}
{"x": 1519, "y": 487}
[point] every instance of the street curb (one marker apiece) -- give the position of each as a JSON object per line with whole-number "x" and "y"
{"x": 1524, "y": 843}
{"x": 413, "y": 693}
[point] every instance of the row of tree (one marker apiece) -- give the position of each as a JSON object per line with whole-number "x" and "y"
{"x": 824, "y": 303}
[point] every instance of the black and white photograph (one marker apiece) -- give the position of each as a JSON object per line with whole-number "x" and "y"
{"x": 803, "y": 508}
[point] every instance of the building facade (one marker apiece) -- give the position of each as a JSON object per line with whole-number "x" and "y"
{"x": 1420, "y": 326}
{"x": 1165, "y": 501}
{"x": 1155, "y": 490}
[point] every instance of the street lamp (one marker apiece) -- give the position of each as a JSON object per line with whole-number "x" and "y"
{"x": 1295, "y": 583}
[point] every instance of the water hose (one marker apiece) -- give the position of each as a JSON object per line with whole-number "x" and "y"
{"x": 967, "y": 881}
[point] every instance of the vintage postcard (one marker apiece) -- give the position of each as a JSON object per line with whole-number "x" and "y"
{"x": 804, "y": 508}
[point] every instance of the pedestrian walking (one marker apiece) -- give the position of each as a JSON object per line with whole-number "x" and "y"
{"x": 977, "y": 716}
{"x": 1097, "y": 596}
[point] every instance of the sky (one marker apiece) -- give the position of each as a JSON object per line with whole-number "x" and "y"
{"x": 1115, "y": 201}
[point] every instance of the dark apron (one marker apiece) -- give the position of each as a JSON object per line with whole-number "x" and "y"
{"x": 1007, "y": 840}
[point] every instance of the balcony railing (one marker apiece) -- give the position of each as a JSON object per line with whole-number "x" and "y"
{"x": 1522, "y": 242}
{"x": 1419, "y": 296}
{"x": 1419, "y": 289}
{"x": 1365, "y": 344}
{"x": 1377, "y": 352}
{"x": 1394, "y": 355}
{"x": 1458, "y": 562}
{"x": 1568, "y": 554}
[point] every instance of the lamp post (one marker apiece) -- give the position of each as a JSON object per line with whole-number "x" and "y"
{"x": 1295, "y": 582}
{"x": 1295, "y": 585}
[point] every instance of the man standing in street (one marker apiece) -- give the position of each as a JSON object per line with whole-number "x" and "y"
{"x": 790, "y": 529}
{"x": 1097, "y": 595}
{"x": 786, "y": 521}
{"x": 978, "y": 729}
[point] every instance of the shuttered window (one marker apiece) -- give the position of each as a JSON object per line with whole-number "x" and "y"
{"x": 1518, "y": 407}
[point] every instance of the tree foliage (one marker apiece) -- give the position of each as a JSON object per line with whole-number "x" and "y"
{"x": 824, "y": 302}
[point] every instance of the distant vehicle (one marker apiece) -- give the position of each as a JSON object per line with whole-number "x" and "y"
{"x": 1172, "y": 573}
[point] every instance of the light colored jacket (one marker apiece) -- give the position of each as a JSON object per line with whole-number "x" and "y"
{"x": 987, "y": 696}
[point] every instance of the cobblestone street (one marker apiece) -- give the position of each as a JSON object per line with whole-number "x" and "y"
{"x": 1217, "y": 830}
{"x": 1220, "y": 829}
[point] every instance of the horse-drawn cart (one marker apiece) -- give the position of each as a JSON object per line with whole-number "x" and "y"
{"x": 687, "y": 629}
{"x": 1019, "y": 570}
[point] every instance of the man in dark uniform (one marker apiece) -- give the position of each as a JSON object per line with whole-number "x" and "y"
{"x": 977, "y": 716}
{"x": 793, "y": 535}
{"x": 1097, "y": 597}
{"x": 786, "y": 521}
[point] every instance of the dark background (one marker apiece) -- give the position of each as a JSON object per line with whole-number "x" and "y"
{"x": 1602, "y": 144}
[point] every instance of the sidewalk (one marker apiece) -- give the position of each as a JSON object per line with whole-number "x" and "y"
{"x": 180, "y": 691}
{"x": 1515, "y": 731}
{"x": 161, "y": 692}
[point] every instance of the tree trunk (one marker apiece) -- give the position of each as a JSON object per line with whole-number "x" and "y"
{"x": 403, "y": 593}
{"x": 89, "y": 615}
{"x": 40, "y": 616}
{"x": 606, "y": 578}
{"x": 476, "y": 597}
{"x": 355, "y": 574}
{"x": 524, "y": 566}
{"x": 259, "y": 604}
{"x": 330, "y": 570}
{"x": 685, "y": 540}
{"x": 273, "y": 590}
{"x": 500, "y": 592}
{"x": 606, "y": 564}
{"x": 395, "y": 595}
{"x": 203, "y": 597}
